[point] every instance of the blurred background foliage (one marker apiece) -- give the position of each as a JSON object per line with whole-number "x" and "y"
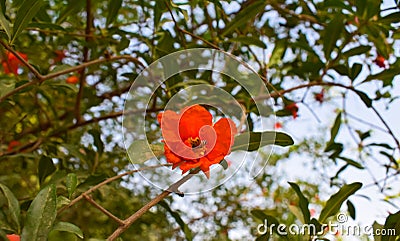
{"x": 60, "y": 116}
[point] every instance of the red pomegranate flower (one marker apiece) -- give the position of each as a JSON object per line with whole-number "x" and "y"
{"x": 12, "y": 63}
{"x": 192, "y": 140}
{"x": 293, "y": 108}
{"x": 319, "y": 96}
{"x": 380, "y": 61}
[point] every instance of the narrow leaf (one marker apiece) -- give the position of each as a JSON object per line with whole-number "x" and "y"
{"x": 68, "y": 227}
{"x": 113, "y": 8}
{"x": 73, "y": 7}
{"x": 244, "y": 16}
{"x": 335, "y": 128}
{"x": 249, "y": 41}
{"x": 332, "y": 33}
{"x": 355, "y": 70}
{"x": 362, "y": 49}
{"x": 334, "y": 203}
{"x": 97, "y": 140}
{"x": 303, "y": 202}
{"x": 46, "y": 168}
{"x": 41, "y": 215}
{"x": 252, "y": 141}
{"x": 364, "y": 97}
{"x": 71, "y": 183}
{"x": 178, "y": 219}
{"x": 278, "y": 52}
{"x": 5, "y": 25}
{"x": 12, "y": 206}
{"x": 25, "y": 14}
{"x": 351, "y": 209}
{"x": 392, "y": 223}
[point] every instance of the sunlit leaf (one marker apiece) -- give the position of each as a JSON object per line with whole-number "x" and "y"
{"x": 252, "y": 141}
{"x": 41, "y": 215}
{"x": 68, "y": 227}
{"x": 11, "y": 207}
{"x": 334, "y": 203}
{"x": 25, "y": 13}
{"x": 303, "y": 202}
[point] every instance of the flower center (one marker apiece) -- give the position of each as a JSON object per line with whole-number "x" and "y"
{"x": 198, "y": 146}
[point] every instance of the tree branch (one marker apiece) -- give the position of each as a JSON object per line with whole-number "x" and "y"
{"x": 130, "y": 220}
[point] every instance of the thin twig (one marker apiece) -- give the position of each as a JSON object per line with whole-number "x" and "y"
{"x": 111, "y": 179}
{"x": 70, "y": 70}
{"x": 30, "y": 67}
{"x": 102, "y": 209}
{"x": 387, "y": 127}
{"x": 130, "y": 220}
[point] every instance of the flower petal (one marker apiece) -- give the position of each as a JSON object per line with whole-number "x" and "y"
{"x": 191, "y": 121}
{"x": 225, "y": 130}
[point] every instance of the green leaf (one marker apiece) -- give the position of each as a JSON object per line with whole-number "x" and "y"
{"x": 249, "y": 41}
{"x": 390, "y": 18}
{"x": 244, "y": 16}
{"x": 392, "y": 223}
{"x": 97, "y": 140}
{"x": 224, "y": 164}
{"x": 50, "y": 26}
{"x": 24, "y": 15}
{"x": 335, "y": 129}
{"x": 303, "y": 202}
{"x": 5, "y": 24}
{"x": 355, "y": 70}
{"x": 385, "y": 76}
{"x": 71, "y": 183}
{"x": 351, "y": 209}
{"x": 362, "y": 49}
{"x": 68, "y": 227}
{"x": 7, "y": 84}
{"x": 267, "y": 220}
{"x": 113, "y": 8}
{"x": 376, "y": 226}
{"x": 159, "y": 8}
{"x": 73, "y": 7}
{"x": 141, "y": 151}
{"x": 252, "y": 141}
{"x": 11, "y": 208}
{"x": 351, "y": 162}
{"x": 41, "y": 215}
{"x": 278, "y": 52}
{"x": 334, "y": 203}
{"x": 178, "y": 219}
{"x": 332, "y": 34}
{"x": 364, "y": 97}
{"x": 46, "y": 168}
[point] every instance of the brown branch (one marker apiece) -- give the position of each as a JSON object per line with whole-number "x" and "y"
{"x": 30, "y": 67}
{"x": 69, "y": 70}
{"x": 82, "y": 77}
{"x": 387, "y": 127}
{"x": 130, "y": 220}
{"x": 111, "y": 179}
{"x": 102, "y": 209}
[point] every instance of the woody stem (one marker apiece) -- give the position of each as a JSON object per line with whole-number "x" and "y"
{"x": 130, "y": 220}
